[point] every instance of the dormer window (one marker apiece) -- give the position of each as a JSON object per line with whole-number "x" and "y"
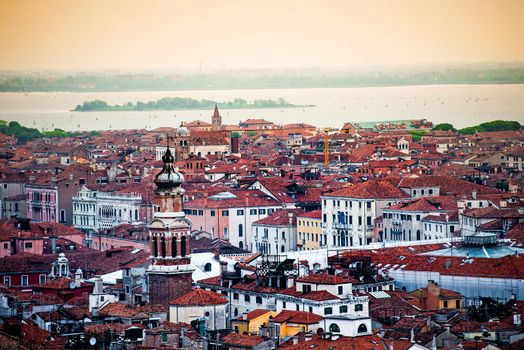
{"x": 306, "y": 288}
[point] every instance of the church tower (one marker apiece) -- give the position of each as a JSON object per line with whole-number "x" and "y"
{"x": 216, "y": 120}
{"x": 169, "y": 275}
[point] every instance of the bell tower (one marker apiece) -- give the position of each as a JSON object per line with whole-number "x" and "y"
{"x": 169, "y": 275}
{"x": 216, "y": 120}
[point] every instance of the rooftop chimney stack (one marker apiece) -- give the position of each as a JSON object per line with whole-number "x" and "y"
{"x": 99, "y": 285}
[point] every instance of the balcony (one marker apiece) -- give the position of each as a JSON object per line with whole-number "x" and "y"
{"x": 339, "y": 225}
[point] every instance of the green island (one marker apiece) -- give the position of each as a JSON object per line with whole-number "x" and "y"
{"x": 24, "y": 134}
{"x": 180, "y": 103}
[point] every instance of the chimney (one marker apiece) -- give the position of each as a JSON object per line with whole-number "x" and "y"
{"x": 308, "y": 337}
{"x": 217, "y": 254}
{"x": 517, "y": 321}
{"x": 474, "y": 195}
{"x": 78, "y": 277}
{"x": 295, "y": 340}
{"x": 244, "y": 316}
{"x": 99, "y": 285}
{"x": 335, "y": 337}
{"x": 448, "y": 263}
{"x": 290, "y": 216}
{"x": 53, "y": 244}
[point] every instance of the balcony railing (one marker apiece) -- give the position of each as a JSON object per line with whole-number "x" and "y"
{"x": 342, "y": 226}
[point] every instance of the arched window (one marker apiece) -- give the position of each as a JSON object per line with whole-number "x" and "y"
{"x": 241, "y": 245}
{"x": 283, "y": 235}
{"x": 334, "y": 328}
{"x": 183, "y": 248}
{"x": 207, "y": 267}
{"x": 236, "y": 312}
{"x": 362, "y": 328}
{"x": 136, "y": 214}
{"x": 155, "y": 246}
{"x": 418, "y": 235}
{"x": 173, "y": 247}
{"x": 62, "y": 215}
{"x": 282, "y": 249}
{"x": 259, "y": 300}
{"x": 225, "y": 233}
{"x": 163, "y": 247}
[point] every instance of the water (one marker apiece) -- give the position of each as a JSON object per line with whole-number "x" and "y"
{"x": 462, "y": 105}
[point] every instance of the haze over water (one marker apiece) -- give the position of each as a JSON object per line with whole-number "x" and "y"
{"x": 462, "y": 105}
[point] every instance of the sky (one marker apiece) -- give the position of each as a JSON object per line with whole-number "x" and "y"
{"x": 187, "y": 34}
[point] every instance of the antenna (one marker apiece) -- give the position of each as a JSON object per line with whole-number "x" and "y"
{"x": 167, "y": 138}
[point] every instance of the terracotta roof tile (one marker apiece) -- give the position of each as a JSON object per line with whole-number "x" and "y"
{"x": 199, "y": 296}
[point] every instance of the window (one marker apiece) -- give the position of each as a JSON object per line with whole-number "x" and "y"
{"x": 457, "y": 304}
{"x": 212, "y": 213}
{"x": 368, "y": 205}
{"x": 362, "y": 328}
{"x": 240, "y": 212}
{"x": 164, "y": 338}
{"x": 41, "y": 278}
{"x": 240, "y": 230}
{"x": 25, "y": 280}
{"x": 284, "y": 304}
{"x": 359, "y": 307}
{"x": 334, "y": 328}
{"x": 259, "y": 300}
{"x": 262, "y": 211}
{"x": 7, "y": 281}
{"x": 340, "y": 290}
{"x": 6, "y": 245}
{"x": 235, "y": 296}
{"x": 328, "y": 311}
{"x": 445, "y": 304}
{"x": 28, "y": 245}
{"x": 306, "y": 288}
{"x": 225, "y": 212}
{"x": 247, "y": 298}
{"x": 201, "y": 212}
{"x": 252, "y": 212}
{"x": 207, "y": 267}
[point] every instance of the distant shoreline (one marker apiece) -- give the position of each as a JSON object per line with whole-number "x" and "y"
{"x": 261, "y": 88}
{"x": 182, "y": 103}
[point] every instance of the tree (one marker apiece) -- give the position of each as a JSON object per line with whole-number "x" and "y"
{"x": 444, "y": 127}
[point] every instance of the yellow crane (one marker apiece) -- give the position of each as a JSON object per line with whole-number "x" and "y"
{"x": 326, "y": 147}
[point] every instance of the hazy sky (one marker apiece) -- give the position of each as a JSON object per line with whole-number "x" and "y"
{"x": 86, "y": 35}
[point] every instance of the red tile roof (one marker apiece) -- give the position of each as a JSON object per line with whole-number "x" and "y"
{"x": 315, "y": 214}
{"x": 380, "y": 189}
{"x": 320, "y": 295}
{"x": 253, "y": 314}
{"x": 242, "y": 340}
{"x": 301, "y": 317}
{"x": 324, "y": 279}
{"x": 427, "y": 204}
{"x": 197, "y": 297}
{"x": 281, "y": 218}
